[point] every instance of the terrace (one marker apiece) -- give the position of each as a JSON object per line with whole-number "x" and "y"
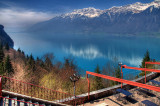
{"x": 135, "y": 93}
{"x": 135, "y": 100}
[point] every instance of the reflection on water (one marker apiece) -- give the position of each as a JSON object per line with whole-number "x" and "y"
{"x": 92, "y": 53}
{"x": 88, "y": 52}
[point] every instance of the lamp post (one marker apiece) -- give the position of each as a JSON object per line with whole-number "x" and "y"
{"x": 121, "y": 64}
{"x": 74, "y": 78}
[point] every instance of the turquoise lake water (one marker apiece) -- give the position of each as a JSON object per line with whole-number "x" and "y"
{"x": 88, "y": 52}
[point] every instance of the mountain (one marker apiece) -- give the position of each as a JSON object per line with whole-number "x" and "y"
{"x": 129, "y": 19}
{"x": 5, "y": 38}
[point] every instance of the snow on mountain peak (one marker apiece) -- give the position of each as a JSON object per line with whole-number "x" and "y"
{"x": 88, "y": 12}
{"x": 135, "y": 8}
{"x": 141, "y": 7}
{"x": 92, "y": 12}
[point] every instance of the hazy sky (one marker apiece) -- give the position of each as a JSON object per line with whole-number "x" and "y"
{"x": 16, "y": 15}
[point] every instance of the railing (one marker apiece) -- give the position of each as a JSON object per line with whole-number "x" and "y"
{"x": 35, "y": 91}
{"x": 147, "y": 62}
{"x": 150, "y": 87}
{"x": 6, "y": 100}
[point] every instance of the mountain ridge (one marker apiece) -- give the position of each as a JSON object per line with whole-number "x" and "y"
{"x": 128, "y": 19}
{"x": 5, "y": 38}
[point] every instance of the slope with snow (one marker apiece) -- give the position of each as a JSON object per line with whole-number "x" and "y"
{"x": 92, "y": 12}
{"x": 128, "y": 19}
{"x": 88, "y": 12}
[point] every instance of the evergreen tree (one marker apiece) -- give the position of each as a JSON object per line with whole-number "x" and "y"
{"x": 72, "y": 65}
{"x": 1, "y": 46}
{"x": 7, "y": 65}
{"x": 69, "y": 64}
{"x": 118, "y": 73}
{"x": 145, "y": 59}
{"x": 23, "y": 53}
{"x": 48, "y": 62}
{"x": 98, "y": 80}
{"x": 40, "y": 62}
{"x": 1, "y": 54}
{"x": 37, "y": 60}
{"x": 7, "y": 46}
{"x": 1, "y": 59}
{"x": 27, "y": 57}
{"x": 1, "y": 68}
{"x": 31, "y": 63}
{"x": 19, "y": 50}
{"x": 66, "y": 63}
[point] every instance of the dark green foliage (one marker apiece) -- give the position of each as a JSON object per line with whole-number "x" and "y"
{"x": 1, "y": 59}
{"x": 69, "y": 63}
{"x": 98, "y": 80}
{"x": 23, "y": 52}
{"x": 73, "y": 65}
{"x": 66, "y": 62}
{"x": 118, "y": 72}
{"x": 31, "y": 63}
{"x": 136, "y": 77}
{"x": 7, "y": 46}
{"x": 19, "y": 50}
{"x": 1, "y": 68}
{"x": 1, "y": 53}
{"x": 38, "y": 60}
{"x": 145, "y": 59}
{"x": 7, "y": 65}
{"x": 48, "y": 62}
{"x": 1, "y": 46}
{"x": 27, "y": 57}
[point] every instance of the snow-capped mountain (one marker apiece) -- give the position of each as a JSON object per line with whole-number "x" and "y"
{"x": 135, "y": 8}
{"x": 129, "y": 19}
{"x": 88, "y": 12}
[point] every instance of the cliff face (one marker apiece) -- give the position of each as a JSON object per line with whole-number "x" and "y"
{"x": 5, "y": 38}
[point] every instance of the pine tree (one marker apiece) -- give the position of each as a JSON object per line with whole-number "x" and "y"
{"x": 19, "y": 50}
{"x": 1, "y": 54}
{"x": 31, "y": 63}
{"x": 7, "y": 65}
{"x": 118, "y": 72}
{"x": 1, "y": 68}
{"x": 66, "y": 63}
{"x": 145, "y": 59}
{"x": 40, "y": 62}
{"x": 98, "y": 80}
{"x": 69, "y": 64}
{"x": 7, "y": 46}
{"x": 23, "y": 53}
{"x": 48, "y": 62}
{"x": 1, "y": 46}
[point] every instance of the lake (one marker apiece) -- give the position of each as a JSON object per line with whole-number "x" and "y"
{"x": 88, "y": 52}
